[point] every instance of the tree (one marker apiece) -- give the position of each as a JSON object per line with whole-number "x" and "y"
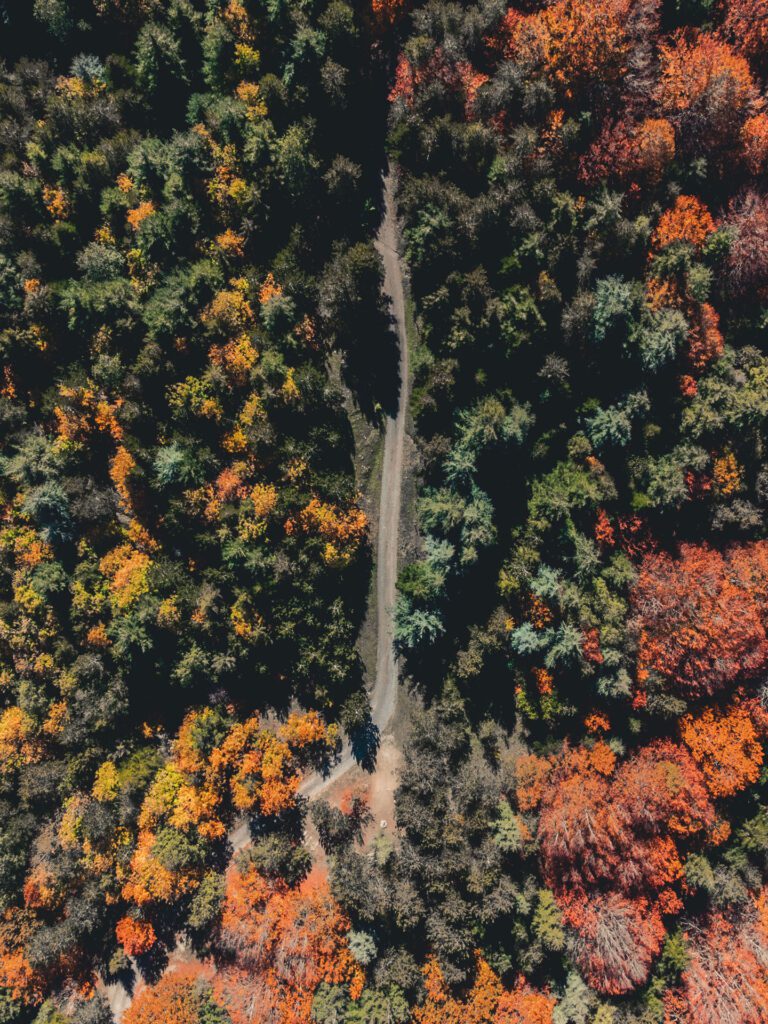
{"x": 706, "y": 88}
{"x": 754, "y": 137}
{"x": 486, "y": 1001}
{"x": 616, "y": 941}
{"x": 688, "y": 221}
{"x": 219, "y": 766}
{"x": 699, "y": 623}
{"x": 286, "y": 942}
{"x": 574, "y": 44}
{"x": 724, "y": 982}
{"x": 525, "y": 1005}
{"x": 136, "y": 937}
{"x": 747, "y": 260}
{"x": 612, "y": 844}
{"x": 387, "y": 12}
{"x": 725, "y": 744}
{"x": 746, "y": 27}
{"x": 181, "y": 997}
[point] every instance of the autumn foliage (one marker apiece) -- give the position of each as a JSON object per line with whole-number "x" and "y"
{"x": 387, "y": 12}
{"x": 218, "y": 767}
{"x": 725, "y": 979}
{"x": 574, "y": 43}
{"x": 136, "y": 937}
{"x": 342, "y": 531}
{"x": 747, "y": 263}
{"x": 486, "y": 1001}
{"x": 189, "y": 198}
{"x": 181, "y": 997}
{"x": 279, "y": 945}
{"x": 688, "y": 220}
{"x": 632, "y": 573}
{"x": 700, "y": 617}
{"x": 613, "y": 838}
{"x": 285, "y": 942}
{"x": 726, "y": 744}
{"x": 707, "y": 87}
{"x": 746, "y": 27}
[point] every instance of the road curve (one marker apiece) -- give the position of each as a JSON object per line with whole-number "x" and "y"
{"x": 384, "y": 690}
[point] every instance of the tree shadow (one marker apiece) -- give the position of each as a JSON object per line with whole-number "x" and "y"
{"x": 153, "y": 964}
{"x": 365, "y": 742}
{"x": 371, "y": 369}
{"x": 124, "y": 975}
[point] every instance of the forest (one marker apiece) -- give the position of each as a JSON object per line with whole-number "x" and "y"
{"x": 194, "y": 320}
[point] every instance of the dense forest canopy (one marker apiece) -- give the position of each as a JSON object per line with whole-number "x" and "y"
{"x": 190, "y": 305}
{"x": 186, "y": 235}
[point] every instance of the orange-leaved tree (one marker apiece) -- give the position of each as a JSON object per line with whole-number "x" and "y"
{"x": 573, "y": 42}
{"x": 688, "y": 220}
{"x": 726, "y": 744}
{"x": 706, "y": 88}
{"x": 485, "y": 1002}
{"x": 219, "y": 767}
{"x": 746, "y": 27}
{"x": 182, "y": 996}
{"x": 284, "y": 942}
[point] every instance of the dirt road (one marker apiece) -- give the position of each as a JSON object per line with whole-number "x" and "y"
{"x": 384, "y": 696}
{"x": 384, "y": 690}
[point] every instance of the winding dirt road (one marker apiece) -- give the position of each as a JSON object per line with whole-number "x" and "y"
{"x": 383, "y": 693}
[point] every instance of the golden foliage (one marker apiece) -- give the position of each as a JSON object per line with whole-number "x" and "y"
{"x": 727, "y": 474}
{"x": 127, "y": 570}
{"x": 56, "y": 202}
{"x": 269, "y": 290}
{"x": 654, "y": 147}
{"x": 19, "y": 744}
{"x": 343, "y": 531}
{"x": 88, "y": 411}
{"x": 237, "y": 357}
{"x": 231, "y": 243}
{"x": 229, "y": 310}
{"x": 122, "y": 466}
{"x": 250, "y": 94}
{"x": 216, "y": 767}
{"x": 139, "y": 214}
{"x": 106, "y": 784}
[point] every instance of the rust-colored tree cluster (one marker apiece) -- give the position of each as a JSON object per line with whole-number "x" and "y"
{"x": 700, "y": 618}
{"x": 613, "y": 837}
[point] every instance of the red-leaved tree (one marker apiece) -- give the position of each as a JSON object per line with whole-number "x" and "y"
{"x": 699, "y": 618}
{"x": 613, "y": 841}
{"x": 726, "y": 979}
